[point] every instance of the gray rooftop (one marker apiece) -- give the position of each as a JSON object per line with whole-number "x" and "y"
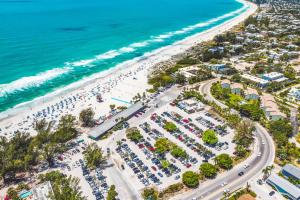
{"x": 110, "y": 123}
{"x": 290, "y": 189}
{"x": 293, "y": 170}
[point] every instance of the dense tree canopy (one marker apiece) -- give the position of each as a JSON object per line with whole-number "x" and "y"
{"x": 94, "y": 156}
{"x": 64, "y": 188}
{"x": 150, "y": 194}
{"x": 112, "y": 194}
{"x": 178, "y": 152}
{"x": 134, "y": 134}
{"x": 190, "y": 179}
{"x": 163, "y": 145}
{"x": 209, "y": 137}
{"x": 170, "y": 126}
{"x": 224, "y": 161}
{"x": 86, "y": 116}
{"x": 23, "y": 152}
{"x": 208, "y": 170}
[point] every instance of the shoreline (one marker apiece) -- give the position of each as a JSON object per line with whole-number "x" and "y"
{"x": 115, "y": 77}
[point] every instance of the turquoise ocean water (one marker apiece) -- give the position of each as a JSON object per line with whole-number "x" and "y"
{"x": 48, "y": 44}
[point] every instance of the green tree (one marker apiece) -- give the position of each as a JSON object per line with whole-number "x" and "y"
{"x": 180, "y": 78}
{"x": 170, "y": 126}
{"x": 244, "y": 133}
{"x": 12, "y": 194}
{"x": 240, "y": 151}
{"x": 178, "y": 152}
{"x": 190, "y": 179}
{"x": 64, "y": 188}
{"x": 252, "y": 110}
{"x": 150, "y": 194}
{"x": 49, "y": 151}
{"x": 86, "y": 116}
{"x": 165, "y": 164}
{"x": 94, "y": 156}
{"x": 290, "y": 72}
{"x": 134, "y": 134}
{"x": 209, "y": 137}
{"x": 281, "y": 130}
{"x": 224, "y": 161}
{"x": 208, "y": 170}
{"x": 163, "y": 145}
{"x": 112, "y": 194}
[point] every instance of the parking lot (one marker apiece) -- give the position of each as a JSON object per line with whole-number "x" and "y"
{"x": 143, "y": 166}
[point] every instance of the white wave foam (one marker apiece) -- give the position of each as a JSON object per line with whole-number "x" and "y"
{"x": 108, "y": 55}
{"x": 139, "y": 44}
{"x": 126, "y": 50}
{"x": 32, "y": 81}
{"x": 83, "y": 62}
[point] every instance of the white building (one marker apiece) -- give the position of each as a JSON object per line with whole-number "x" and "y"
{"x": 257, "y": 81}
{"x": 42, "y": 191}
{"x": 272, "y": 76}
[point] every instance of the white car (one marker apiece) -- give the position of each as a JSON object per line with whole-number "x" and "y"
{"x": 226, "y": 191}
{"x": 246, "y": 166}
{"x": 223, "y": 184}
{"x": 259, "y": 154}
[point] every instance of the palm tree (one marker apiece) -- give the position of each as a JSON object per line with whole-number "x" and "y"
{"x": 267, "y": 171}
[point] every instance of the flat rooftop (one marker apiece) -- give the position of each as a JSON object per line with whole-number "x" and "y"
{"x": 110, "y": 123}
{"x": 281, "y": 184}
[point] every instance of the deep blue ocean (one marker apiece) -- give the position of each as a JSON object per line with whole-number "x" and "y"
{"x": 48, "y": 44}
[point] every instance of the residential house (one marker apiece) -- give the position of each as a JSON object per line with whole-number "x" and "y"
{"x": 236, "y": 88}
{"x": 225, "y": 83}
{"x": 251, "y": 94}
{"x": 270, "y": 108}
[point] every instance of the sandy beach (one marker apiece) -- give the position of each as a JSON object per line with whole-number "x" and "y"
{"x": 117, "y": 86}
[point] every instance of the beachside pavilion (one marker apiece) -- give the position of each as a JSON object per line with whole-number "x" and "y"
{"x": 110, "y": 123}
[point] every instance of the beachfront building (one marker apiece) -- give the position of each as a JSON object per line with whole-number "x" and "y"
{"x": 103, "y": 128}
{"x": 270, "y": 108}
{"x": 236, "y": 88}
{"x": 284, "y": 187}
{"x": 189, "y": 72}
{"x": 259, "y": 82}
{"x": 251, "y": 94}
{"x": 225, "y": 83}
{"x": 294, "y": 94}
{"x": 291, "y": 171}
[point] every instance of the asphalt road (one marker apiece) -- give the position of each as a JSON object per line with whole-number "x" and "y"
{"x": 263, "y": 155}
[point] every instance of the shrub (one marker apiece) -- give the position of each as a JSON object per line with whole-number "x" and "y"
{"x": 190, "y": 179}
{"x": 208, "y": 170}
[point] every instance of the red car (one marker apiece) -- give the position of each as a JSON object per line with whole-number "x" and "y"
{"x": 186, "y": 121}
{"x": 154, "y": 168}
